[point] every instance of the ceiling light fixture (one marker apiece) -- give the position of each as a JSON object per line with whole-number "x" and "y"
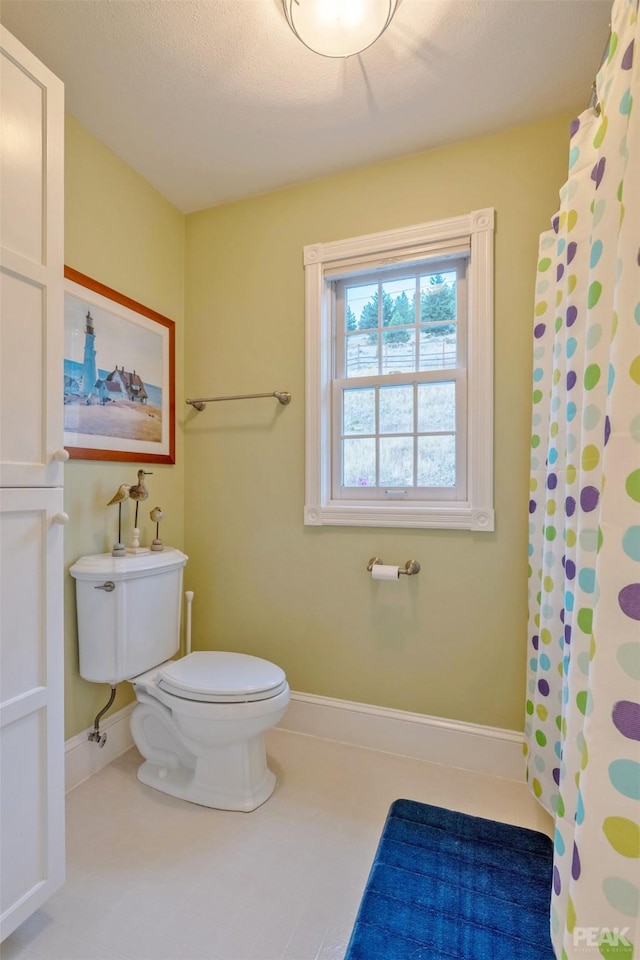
{"x": 339, "y": 28}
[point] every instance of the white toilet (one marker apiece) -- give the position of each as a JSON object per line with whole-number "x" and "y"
{"x": 199, "y": 721}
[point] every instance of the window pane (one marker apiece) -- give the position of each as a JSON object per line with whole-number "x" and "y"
{"x": 359, "y": 463}
{"x": 436, "y": 407}
{"x": 438, "y": 347}
{"x": 399, "y": 351}
{"x": 362, "y": 355}
{"x": 399, "y": 302}
{"x": 396, "y": 409}
{"x": 438, "y": 297}
{"x": 359, "y": 411}
{"x": 396, "y": 462}
{"x": 361, "y": 308}
{"x": 437, "y": 461}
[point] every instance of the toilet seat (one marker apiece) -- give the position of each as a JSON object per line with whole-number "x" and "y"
{"x": 213, "y": 676}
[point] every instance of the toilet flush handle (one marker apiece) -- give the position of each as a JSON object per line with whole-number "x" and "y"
{"x": 109, "y": 586}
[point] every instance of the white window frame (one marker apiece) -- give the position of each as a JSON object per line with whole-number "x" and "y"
{"x": 326, "y": 262}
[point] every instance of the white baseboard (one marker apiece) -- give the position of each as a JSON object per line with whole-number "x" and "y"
{"x": 84, "y": 757}
{"x": 470, "y": 746}
{"x": 489, "y": 750}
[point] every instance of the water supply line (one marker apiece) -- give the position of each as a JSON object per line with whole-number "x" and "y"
{"x": 187, "y": 638}
{"x": 95, "y": 735}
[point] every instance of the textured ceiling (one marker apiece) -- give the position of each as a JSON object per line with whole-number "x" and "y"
{"x": 211, "y": 100}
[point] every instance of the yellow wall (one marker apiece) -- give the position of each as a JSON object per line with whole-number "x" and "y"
{"x": 119, "y": 231}
{"x": 450, "y": 642}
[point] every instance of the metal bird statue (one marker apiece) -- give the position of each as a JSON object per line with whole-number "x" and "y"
{"x": 139, "y": 491}
{"x": 156, "y": 515}
{"x": 121, "y": 494}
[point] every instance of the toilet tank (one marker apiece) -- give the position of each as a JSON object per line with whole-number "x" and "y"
{"x": 128, "y": 612}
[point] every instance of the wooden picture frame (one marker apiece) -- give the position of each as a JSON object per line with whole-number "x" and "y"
{"x": 119, "y": 376}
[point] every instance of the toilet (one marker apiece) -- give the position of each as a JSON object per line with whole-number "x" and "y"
{"x": 199, "y": 721}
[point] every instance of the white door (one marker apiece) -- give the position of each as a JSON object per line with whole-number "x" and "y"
{"x": 31, "y": 689}
{"x": 31, "y": 269}
{"x": 31, "y": 457}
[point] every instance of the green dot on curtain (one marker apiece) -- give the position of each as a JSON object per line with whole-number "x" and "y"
{"x": 632, "y": 485}
{"x": 559, "y": 722}
{"x": 595, "y": 292}
{"x": 554, "y": 429}
{"x": 535, "y": 441}
{"x": 535, "y": 786}
{"x": 619, "y": 191}
{"x": 601, "y": 133}
{"x": 571, "y": 915}
{"x": 621, "y": 949}
{"x": 560, "y": 807}
{"x": 541, "y": 739}
{"x": 572, "y": 219}
{"x": 558, "y": 324}
{"x": 530, "y": 708}
{"x": 623, "y": 835}
{"x": 550, "y": 533}
{"x": 584, "y": 702}
{"x": 571, "y": 473}
{"x": 544, "y": 264}
{"x": 585, "y": 619}
{"x": 548, "y": 584}
{"x": 613, "y": 46}
{"x": 537, "y": 396}
{"x": 541, "y": 308}
{"x": 572, "y": 280}
{"x": 600, "y": 540}
{"x": 590, "y": 457}
{"x": 571, "y": 538}
{"x": 542, "y": 711}
{"x": 634, "y": 369}
{"x": 545, "y": 636}
{"x": 591, "y": 376}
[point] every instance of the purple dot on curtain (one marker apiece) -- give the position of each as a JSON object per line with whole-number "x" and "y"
{"x": 629, "y": 600}
{"x": 555, "y": 773}
{"x": 598, "y": 171}
{"x": 575, "y": 863}
{"x": 607, "y": 429}
{"x": 589, "y": 497}
{"x": 571, "y": 379}
{"x": 570, "y": 569}
{"x": 532, "y": 506}
{"x": 562, "y": 615}
{"x": 538, "y": 330}
{"x": 535, "y": 641}
{"x": 557, "y": 886}
{"x": 543, "y": 687}
{"x": 555, "y": 223}
{"x": 626, "y": 718}
{"x": 627, "y": 61}
{"x": 552, "y": 481}
{"x": 572, "y": 315}
{"x": 575, "y": 126}
{"x": 570, "y": 506}
{"x": 559, "y": 271}
{"x": 571, "y": 251}
{"x": 567, "y": 633}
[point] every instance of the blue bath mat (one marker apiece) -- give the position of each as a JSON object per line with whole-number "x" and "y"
{"x": 446, "y": 886}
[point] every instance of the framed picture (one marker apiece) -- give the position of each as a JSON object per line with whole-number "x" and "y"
{"x": 119, "y": 376}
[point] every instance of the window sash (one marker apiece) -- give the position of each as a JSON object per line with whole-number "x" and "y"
{"x": 458, "y": 375}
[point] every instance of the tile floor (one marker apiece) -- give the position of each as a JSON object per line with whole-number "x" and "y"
{"x": 150, "y": 877}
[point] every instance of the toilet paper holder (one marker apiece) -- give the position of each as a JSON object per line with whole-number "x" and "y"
{"x": 411, "y": 567}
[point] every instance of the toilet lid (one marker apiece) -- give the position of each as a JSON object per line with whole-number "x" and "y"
{"x": 218, "y": 677}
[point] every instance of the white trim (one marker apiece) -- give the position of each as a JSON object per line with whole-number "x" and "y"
{"x": 84, "y": 757}
{"x": 320, "y": 260}
{"x": 470, "y": 746}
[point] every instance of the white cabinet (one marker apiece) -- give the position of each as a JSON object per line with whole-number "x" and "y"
{"x": 31, "y": 469}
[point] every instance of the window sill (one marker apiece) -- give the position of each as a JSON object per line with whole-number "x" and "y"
{"x": 435, "y": 516}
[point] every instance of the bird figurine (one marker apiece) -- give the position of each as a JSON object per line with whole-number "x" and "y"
{"x": 139, "y": 491}
{"x": 156, "y": 516}
{"x": 121, "y": 494}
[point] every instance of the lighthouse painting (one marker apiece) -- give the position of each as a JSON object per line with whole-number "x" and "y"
{"x": 119, "y": 399}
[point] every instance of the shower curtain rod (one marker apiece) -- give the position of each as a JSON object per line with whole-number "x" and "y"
{"x": 281, "y": 395}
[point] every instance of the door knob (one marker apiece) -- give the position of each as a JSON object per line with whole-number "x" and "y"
{"x": 61, "y": 455}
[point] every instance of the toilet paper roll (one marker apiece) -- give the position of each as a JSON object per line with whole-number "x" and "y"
{"x": 383, "y": 571}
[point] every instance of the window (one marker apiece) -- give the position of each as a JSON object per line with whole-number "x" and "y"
{"x": 399, "y": 377}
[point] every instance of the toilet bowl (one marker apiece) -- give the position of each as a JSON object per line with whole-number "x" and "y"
{"x": 199, "y": 721}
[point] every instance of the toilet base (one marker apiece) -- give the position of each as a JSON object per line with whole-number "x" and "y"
{"x": 181, "y": 783}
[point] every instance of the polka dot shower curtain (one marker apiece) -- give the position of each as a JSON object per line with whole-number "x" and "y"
{"x": 583, "y": 688}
